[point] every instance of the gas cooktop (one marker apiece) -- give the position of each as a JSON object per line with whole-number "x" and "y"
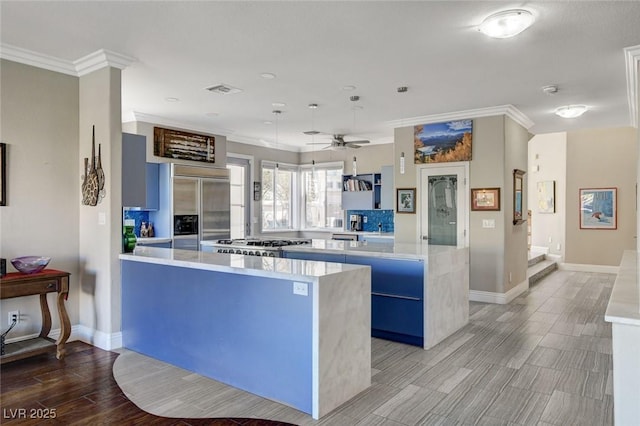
{"x": 256, "y": 246}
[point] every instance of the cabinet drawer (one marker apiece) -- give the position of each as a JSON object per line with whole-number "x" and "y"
{"x": 29, "y": 288}
{"x": 400, "y": 277}
{"x": 397, "y": 315}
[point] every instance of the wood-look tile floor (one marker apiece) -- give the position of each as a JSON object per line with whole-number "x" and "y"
{"x": 543, "y": 359}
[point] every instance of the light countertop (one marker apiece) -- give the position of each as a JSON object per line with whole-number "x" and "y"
{"x": 624, "y": 302}
{"x": 152, "y": 240}
{"x": 419, "y": 251}
{"x": 237, "y": 264}
{"x": 389, "y": 235}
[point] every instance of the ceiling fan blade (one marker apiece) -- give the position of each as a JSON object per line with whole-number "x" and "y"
{"x": 319, "y": 143}
{"x": 311, "y": 132}
{"x": 352, "y": 145}
{"x": 361, "y": 141}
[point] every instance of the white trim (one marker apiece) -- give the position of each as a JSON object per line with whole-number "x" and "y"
{"x": 509, "y": 110}
{"x": 632, "y": 60}
{"x": 580, "y": 267}
{"x": 38, "y": 60}
{"x": 94, "y": 61}
{"x": 100, "y": 59}
{"x": 499, "y": 298}
{"x": 156, "y": 119}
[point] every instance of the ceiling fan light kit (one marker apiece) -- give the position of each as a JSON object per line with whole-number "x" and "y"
{"x": 571, "y": 111}
{"x": 507, "y": 23}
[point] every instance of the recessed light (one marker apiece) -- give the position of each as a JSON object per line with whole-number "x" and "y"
{"x": 268, "y": 123}
{"x": 172, "y": 99}
{"x": 268, "y": 75}
{"x": 348, "y": 88}
{"x": 278, "y": 104}
{"x": 507, "y": 23}
{"x": 313, "y": 106}
{"x": 571, "y": 111}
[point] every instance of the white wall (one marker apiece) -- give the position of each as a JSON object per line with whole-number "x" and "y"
{"x": 547, "y": 162}
{"x": 39, "y": 124}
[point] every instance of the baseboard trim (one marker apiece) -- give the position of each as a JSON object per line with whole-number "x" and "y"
{"x": 85, "y": 334}
{"x": 499, "y": 298}
{"x": 580, "y": 267}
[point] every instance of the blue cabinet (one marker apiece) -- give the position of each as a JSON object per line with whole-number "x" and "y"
{"x": 134, "y": 174}
{"x": 153, "y": 192}
{"x": 323, "y": 257}
{"x": 397, "y": 298}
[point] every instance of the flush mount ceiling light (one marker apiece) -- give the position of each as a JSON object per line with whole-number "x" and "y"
{"x": 268, "y": 75}
{"x": 172, "y": 99}
{"x": 278, "y": 104}
{"x": 571, "y": 111}
{"x": 507, "y": 23}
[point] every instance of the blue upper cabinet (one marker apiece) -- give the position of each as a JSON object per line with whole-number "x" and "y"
{"x": 139, "y": 178}
{"x": 361, "y": 192}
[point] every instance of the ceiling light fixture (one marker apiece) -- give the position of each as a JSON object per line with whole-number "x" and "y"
{"x": 550, "y": 90}
{"x": 172, "y": 99}
{"x": 348, "y": 88}
{"x": 278, "y": 104}
{"x": 571, "y": 111}
{"x": 402, "y": 89}
{"x": 268, "y": 75}
{"x": 354, "y": 98}
{"x": 507, "y": 23}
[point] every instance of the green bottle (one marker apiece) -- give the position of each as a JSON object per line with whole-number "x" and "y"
{"x": 128, "y": 237}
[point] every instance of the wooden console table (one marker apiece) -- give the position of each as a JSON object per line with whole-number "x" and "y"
{"x": 16, "y": 284}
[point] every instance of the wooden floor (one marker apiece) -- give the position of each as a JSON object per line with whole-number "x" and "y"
{"x": 544, "y": 359}
{"x": 80, "y": 390}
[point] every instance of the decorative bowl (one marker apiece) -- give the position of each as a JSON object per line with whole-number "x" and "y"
{"x": 30, "y": 264}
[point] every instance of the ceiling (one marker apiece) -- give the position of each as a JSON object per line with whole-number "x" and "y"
{"x": 315, "y": 49}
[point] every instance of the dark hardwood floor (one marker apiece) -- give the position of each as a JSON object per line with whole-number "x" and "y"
{"x": 80, "y": 390}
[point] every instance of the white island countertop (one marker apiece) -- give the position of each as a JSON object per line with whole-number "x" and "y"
{"x": 420, "y": 251}
{"x": 236, "y": 263}
{"x": 153, "y": 240}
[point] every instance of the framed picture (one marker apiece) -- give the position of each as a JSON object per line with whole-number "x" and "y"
{"x": 598, "y": 208}
{"x": 485, "y": 199}
{"x": 183, "y": 145}
{"x": 518, "y": 194}
{"x": 546, "y": 196}
{"x": 406, "y": 200}
{"x": 3, "y": 174}
{"x": 442, "y": 142}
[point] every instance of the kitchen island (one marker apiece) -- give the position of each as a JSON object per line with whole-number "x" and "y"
{"x": 420, "y": 292}
{"x": 294, "y": 331}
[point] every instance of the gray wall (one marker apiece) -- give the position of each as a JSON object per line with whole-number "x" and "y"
{"x": 595, "y": 159}
{"x": 39, "y": 124}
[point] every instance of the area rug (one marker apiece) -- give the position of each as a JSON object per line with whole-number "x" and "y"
{"x": 168, "y": 391}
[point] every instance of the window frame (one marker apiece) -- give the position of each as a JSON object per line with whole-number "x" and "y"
{"x": 294, "y": 168}
{"x": 334, "y": 165}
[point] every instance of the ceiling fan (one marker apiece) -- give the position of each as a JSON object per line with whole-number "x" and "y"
{"x": 338, "y": 142}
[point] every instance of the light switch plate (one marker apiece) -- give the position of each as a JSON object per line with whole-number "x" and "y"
{"x": 301, "y": 289}
{"x": 488, "y": 223}
{"x": 102, "y": 218}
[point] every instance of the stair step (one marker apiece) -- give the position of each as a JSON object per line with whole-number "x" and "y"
{"x": 540, "y": 270}
{"x": 535, "y": 258}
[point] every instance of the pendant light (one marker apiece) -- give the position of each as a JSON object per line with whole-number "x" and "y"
{"x": 402, "y": 89}
{"x": 277, "y": 112}
{"x": 313, "y": 132}
{"x": 355, "y": 98}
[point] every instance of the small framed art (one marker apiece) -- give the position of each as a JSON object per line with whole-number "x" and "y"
{"x": 485, "y": 199}
{"x": 406, "y": 200}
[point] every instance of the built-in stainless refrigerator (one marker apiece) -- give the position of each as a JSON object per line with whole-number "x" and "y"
{"x": 201, "y": 205}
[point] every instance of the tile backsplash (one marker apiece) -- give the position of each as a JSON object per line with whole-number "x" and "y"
{"x": 139, "y": 216}
{"x": 374, "y": 217}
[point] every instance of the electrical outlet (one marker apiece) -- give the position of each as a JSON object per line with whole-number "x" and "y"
{"x": 11, "y": 316}
{"x": 509, "y": 276}
{"x": 558, "y": 246}
{"x": 301, "y": 289}
{"x": 550, "y": 240}
{"x": 364, "y": 219}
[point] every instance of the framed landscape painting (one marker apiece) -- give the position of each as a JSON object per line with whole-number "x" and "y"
{"x": 598, "y": 208}
{"x": 442, "y": 142}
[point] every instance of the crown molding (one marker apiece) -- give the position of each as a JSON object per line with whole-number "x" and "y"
{"x": 509, "y": 110}
{"x": 38, "y": 60}
{"x": 99, "y": 59}
{"x": 632, "y": 60}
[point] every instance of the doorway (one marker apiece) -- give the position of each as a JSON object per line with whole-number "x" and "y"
{"x": 240, "y": 193}
{"x": 444, "y": 213}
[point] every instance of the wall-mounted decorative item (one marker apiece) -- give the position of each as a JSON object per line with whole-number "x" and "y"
{"x": 90, "y": 179}
{"x": 547, "y": 196}
{"x": 443, "y": 142}
{"x": 598, "y": 208}
{"x": 406, "y": 200}
{"x": 257, "y": 191}
{"x": 183, "y": 145}
{"x": 485, "y": 199}
{"x": 518, "y": 191}
{"x": 3, "y": 174}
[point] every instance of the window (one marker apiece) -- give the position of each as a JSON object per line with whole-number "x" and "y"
{"x": 321, "y": 197}
{"x": 278, "y": 185}
{"x": 239, "y": 178}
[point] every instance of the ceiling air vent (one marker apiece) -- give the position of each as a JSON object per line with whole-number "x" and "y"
{"x": 224, "y": 89}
